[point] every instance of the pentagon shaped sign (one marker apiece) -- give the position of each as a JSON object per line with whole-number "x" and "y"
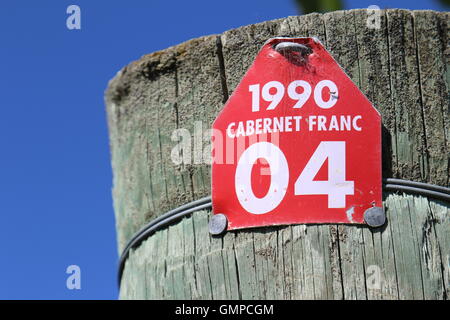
{"x": 297, "y": 142}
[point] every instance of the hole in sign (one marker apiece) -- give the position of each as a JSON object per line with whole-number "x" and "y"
{"x": 296, "y": 53}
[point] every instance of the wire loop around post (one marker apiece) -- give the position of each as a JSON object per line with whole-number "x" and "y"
{"x": 389, "y": 184}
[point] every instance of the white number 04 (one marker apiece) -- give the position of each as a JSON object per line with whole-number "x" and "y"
{"x": 336, "y": 187}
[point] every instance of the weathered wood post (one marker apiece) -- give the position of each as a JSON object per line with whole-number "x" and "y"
{"x": 401, "y": 65}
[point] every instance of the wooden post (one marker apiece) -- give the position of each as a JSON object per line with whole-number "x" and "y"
{"x": 403, "y": 68}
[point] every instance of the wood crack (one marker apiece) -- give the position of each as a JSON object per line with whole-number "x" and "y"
{"x": 223, "y": 77}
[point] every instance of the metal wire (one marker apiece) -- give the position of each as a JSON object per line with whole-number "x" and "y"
{"x": 416, "y": 185}
{"x": 390, "y": 184}
{"x": 158, "y": 223}
{"x": 420, "y": 191}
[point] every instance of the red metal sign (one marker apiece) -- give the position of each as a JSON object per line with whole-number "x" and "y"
{"x": 297, "y": 142}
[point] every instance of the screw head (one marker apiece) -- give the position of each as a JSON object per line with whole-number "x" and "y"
{"x": 296, "y": 53}
{"x": 375, "y": 217}
{"x": 293, "y": 46}
{"x": 218, "y": 224}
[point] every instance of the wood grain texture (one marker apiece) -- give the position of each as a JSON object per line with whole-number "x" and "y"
{"x": 402, "y": 67}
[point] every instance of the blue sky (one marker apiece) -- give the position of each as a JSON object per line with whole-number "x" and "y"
{"x": 55, "y": 173}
